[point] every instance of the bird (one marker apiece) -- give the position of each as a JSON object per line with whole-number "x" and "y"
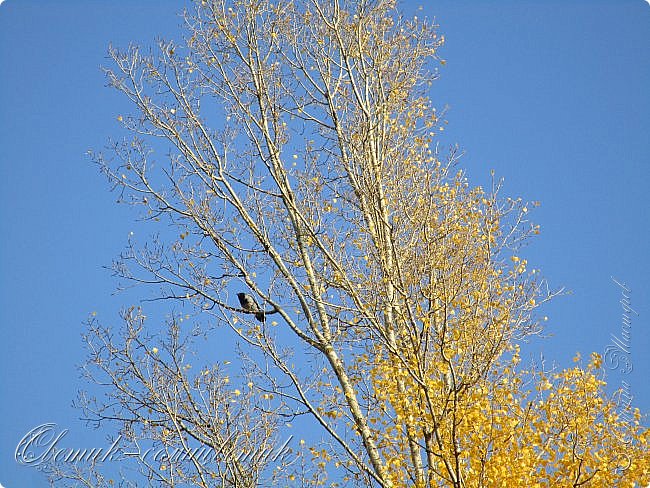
{"x": 249, "y": 304}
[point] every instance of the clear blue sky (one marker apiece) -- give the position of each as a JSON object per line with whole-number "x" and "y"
{"x": 554, "y": 95}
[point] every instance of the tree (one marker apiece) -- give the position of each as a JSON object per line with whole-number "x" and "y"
{"x": 292, "y": 148}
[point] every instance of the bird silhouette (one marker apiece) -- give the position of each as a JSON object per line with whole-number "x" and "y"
{"x": 248, "y": 304}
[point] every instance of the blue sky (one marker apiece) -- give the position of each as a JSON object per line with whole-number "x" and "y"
{"x": 554, "y": 96}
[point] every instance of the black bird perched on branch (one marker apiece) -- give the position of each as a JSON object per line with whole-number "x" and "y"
{"x": 249, "y": 304}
